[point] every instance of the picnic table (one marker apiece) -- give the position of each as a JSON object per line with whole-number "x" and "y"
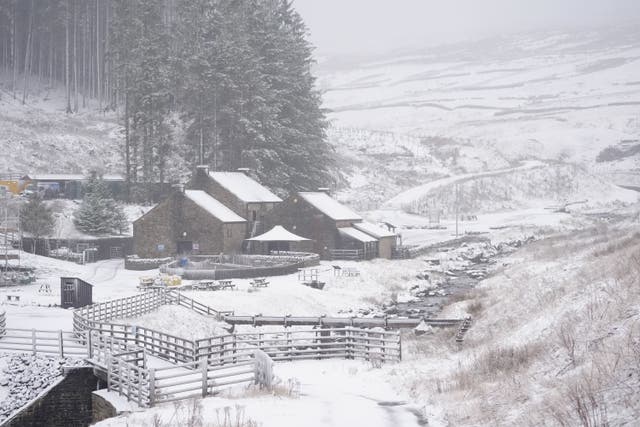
{"x": 226, "y": 284}
{"x": 205, "y": 285}
{"x": 259, "y": 283}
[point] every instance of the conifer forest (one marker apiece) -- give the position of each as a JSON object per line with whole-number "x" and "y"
{"x": 227, "y": 83}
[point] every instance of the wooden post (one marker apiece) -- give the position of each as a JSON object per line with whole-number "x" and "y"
{"x": 139, "y": 386}
{"x": 203, "y": 366}
{"x": 61, "y": 344}
{"x": 33, "y": 340}
{"x": 152, "y": 387}
{"x": 108, "y": 373}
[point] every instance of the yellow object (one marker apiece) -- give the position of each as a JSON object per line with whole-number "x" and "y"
{"x": 14, "y": 186}
{"x": 171, "y": 280}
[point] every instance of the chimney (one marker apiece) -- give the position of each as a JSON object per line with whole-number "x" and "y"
{"x": 202, "y": 170}
{"x": 325, "y": 190}
{"x": 178, "y": 188}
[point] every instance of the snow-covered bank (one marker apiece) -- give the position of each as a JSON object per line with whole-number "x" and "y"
{"x": 554, "y": 341}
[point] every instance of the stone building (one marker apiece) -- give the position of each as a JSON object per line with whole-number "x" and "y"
{"x": 336, "y": 230}
{"x": 240, "y": 193}
{"x": 188, "y": 222}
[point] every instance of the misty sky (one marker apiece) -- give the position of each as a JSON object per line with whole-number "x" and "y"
{"x": 366, "y": 26}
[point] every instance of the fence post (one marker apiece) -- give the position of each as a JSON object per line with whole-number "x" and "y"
{"x": 61, "y": 344}
{"x": 204, "y": 367}
{"x": 140, "y": 387}
{"x": 89, "y": 344}
{"x": 33, "y": 340}
{"x": 152, "y": 387}
{"x": 109, "y": 372}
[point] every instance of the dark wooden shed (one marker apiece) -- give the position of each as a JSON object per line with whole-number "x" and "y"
{"x": 75, "y": 292}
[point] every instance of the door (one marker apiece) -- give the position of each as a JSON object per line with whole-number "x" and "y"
{"x": 185, "y": 247}
{"x": 68, "y": 293}
{"x": 115, "y": 252}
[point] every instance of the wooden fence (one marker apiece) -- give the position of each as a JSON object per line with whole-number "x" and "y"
{"x": 347, "y": 254}
{"x": 60, "y": 343}
{"x": 314, "y": 344}
{"x": 355, "y": 322}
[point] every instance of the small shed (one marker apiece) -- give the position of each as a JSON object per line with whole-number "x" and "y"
{"x": 75, "y": 292}
{"x": 355, "y": 240}
{"x": 387, "y": 239}
{"x": 279, "y": 239}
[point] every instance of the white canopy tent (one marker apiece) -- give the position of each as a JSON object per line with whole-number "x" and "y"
{"x": 278, "y": 239}
{"x": 278, "y": 234}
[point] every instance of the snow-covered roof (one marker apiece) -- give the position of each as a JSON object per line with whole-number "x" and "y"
{"x": 70, "y": 177}
{"x": 357, "y": 234}
{"x": 213, "y": 206}
{"x": 278, "y": 234}
{"x": 330, "y": 207}
{"x": 244, "y": 188}
{"x": 373, "y": 229}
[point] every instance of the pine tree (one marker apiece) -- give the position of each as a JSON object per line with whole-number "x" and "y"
{"x": 99, "y": 213}
{"x": 36, "y": 218}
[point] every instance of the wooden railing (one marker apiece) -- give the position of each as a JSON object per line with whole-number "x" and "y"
{"x": 199, "y": 379}
{"x": 349, "y": 343}
{"x": 347, "y": 254}
{"x": 3, "y": 323}
{"x": 325, "y": 321}
{"x": 60, "y": 343}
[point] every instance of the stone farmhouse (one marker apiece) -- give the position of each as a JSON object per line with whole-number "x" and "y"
{"x": 243, "y": 195}
{"x": 188, "y": 222}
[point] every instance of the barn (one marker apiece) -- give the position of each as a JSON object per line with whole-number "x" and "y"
{"x": 188, "y": 222}
{"x": 336, "y": 230}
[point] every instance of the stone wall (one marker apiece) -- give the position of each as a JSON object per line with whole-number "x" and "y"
{"x": 67, "y": 403}
{"x": 156, "y": 228}
{"x": 101, "y": 408}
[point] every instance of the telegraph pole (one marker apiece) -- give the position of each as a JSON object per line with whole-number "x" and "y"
{"x": 457, "y": 210}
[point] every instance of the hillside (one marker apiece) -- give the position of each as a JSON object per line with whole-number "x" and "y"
{"x": 555, "y": 339}
{"x": 39, "y": 137}
{"x": 558, "y": 97}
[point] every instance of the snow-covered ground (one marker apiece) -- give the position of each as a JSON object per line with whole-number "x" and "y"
{"x": 313, "y": 394}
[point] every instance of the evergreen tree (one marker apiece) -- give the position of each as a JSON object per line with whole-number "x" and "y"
{"x": 99, "y": 213}
{"x": 36, "y": 218}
